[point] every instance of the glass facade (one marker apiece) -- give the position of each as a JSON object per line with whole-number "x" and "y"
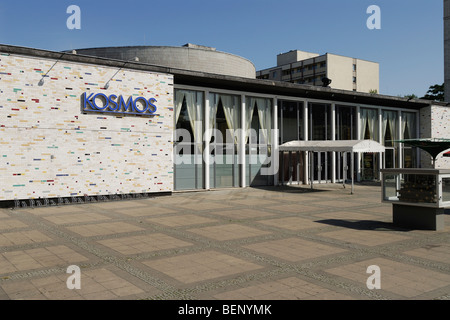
{"x": 230, "y": 134}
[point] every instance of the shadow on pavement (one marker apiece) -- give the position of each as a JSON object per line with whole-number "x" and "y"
{"x": 363, "y": 225}
{"x": 289, "y": 189}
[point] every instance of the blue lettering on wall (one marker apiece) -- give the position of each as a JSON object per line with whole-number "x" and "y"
{"x": 117, "y": 104}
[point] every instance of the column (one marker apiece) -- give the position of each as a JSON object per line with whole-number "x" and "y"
{"x": 358, "y": 135}
{"x": 418, "y": 157}
{"x": 206, "y": 152}
{"x": 380, "y": 139}
{"x": 275, "y": 152}
{"x": 305, "y": 134}
{"x": 242, "y": 142}
{"x": 333, "y": 138}
{"x": 400, "y": 136}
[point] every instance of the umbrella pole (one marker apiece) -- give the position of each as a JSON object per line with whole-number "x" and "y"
{"x": 311, "y": 169}
{"x": 353, "y": 173}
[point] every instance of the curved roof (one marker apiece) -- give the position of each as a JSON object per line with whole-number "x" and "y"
{"x": 188, "y": 57}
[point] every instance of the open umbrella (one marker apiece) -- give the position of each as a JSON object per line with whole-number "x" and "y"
{"x": 434, "y": 146}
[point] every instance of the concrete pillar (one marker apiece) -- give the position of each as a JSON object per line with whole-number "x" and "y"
{"x": 306, "y": 135}
{"x": 333, "y": 137}
{"x": 242, "y": 142}
{"x": 400, "y": 136}
{"x": 206, "y": 151}
{"x": 358, "y": 135}
{"x": 380, "y": 128}
{"x": 275, "y": 152}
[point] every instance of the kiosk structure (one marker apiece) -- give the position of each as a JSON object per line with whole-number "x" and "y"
{"x": 419, "y": 196}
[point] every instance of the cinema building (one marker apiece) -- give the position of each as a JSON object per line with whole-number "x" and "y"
{"x": 76, "y": 124}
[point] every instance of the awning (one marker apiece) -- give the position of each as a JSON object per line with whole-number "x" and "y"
{"x": 352, "y": 146}
{"x": 334, "y": 146}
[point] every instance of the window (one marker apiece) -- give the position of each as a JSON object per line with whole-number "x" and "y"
{"x": 354, "y": 67}
{"x": 354, "y": 79}
{"x": 290, "y": 121}
{"x": 345, "y": 123}
{"x": 189, "y": 122}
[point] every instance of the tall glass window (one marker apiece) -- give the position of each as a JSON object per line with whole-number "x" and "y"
{"x": 290, "y": 121}
{"x": 290, "y": 125}
{"x": 409, "y": 125}
{"x": 346, "y": 129}
{"x": 408, "y": 130}
{"x": 369, "y": 124}
{"x": 389, "y": 133}
{"x": 345, "y": 123}
{"x": 225, "y": 120}
{"x": 258, "y": 142}
{"x": 320, "y": 119}
{"x": 369, "y": 130}
{"x": 188, "y": 149}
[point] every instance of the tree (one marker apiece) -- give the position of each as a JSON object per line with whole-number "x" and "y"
{"x": 411, "y": 96}
{"x": 435, "y": 93}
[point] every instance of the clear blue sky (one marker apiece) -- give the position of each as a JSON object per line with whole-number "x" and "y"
{"x": 409, "y": 46}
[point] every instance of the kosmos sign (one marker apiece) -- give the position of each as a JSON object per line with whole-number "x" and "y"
{"x": 114, "y": 104}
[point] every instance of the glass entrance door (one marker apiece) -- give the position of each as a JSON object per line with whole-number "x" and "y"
{"x": 369, "y": 166}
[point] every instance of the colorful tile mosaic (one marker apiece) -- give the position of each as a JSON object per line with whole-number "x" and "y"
{"x": 49, "y": 148}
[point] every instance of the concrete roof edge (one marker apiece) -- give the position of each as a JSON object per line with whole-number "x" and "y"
{"x": 275, "y": 87}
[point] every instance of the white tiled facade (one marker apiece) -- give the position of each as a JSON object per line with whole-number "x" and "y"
{"x": 49, "y": 148}
{"x": 434, "y": 123}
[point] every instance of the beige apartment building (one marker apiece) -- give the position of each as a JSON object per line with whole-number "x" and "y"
{"x": 309, "y": 68}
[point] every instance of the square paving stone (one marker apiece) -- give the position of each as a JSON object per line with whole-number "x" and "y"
{"x": 229, "y": 232}
{"x": 195, "y": 267}
{"x": 293, "y": 249}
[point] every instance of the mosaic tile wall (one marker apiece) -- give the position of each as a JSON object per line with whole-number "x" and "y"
{"x": 48, "y": 148}
{"x": 435, "y": 123}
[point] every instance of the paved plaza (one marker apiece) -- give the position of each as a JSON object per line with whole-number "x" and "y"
{"x": 271, "y": 243}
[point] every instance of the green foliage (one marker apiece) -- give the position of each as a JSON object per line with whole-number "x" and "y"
{"x": 411, "y": 96}
{"x": 435, "y": 93}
